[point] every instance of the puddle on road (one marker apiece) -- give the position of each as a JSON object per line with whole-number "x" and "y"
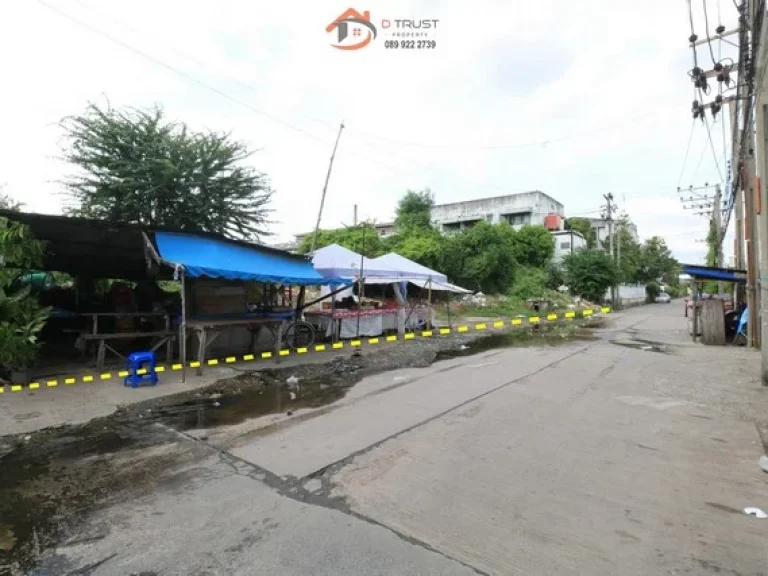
{"x": 552, "y": 335}
{"x": 644, "y": 345}
{"x": 44, "y": 478}
{"x": 251, "y": 400}
{"x": 49, "y": 480}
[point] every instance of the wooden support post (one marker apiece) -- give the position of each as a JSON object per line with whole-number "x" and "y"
{"x": 695, "y": 310}
{"x": 202, "y": 336}
{"x": 183, "y": 328}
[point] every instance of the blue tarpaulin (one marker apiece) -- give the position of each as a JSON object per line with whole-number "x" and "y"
{"x": 711, "y": 273}
{"x": 218, "y": 258}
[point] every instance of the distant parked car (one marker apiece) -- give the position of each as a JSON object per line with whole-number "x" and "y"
{"x": 663, "y": 298}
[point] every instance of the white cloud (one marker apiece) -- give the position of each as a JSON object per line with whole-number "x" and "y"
{"x": 515, "y": 72}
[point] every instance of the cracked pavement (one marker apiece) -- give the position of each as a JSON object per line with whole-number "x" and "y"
{"x": 612, "y": 456}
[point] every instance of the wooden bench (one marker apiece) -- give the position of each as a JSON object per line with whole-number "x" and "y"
{"x": 165, "y": 337}
{"x": 208, "y": 331}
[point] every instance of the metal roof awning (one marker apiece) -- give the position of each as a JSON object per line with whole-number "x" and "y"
{"x": 697, "y": 272}
{"x": 220, "y": 258}
{"x": 98, "y": 249}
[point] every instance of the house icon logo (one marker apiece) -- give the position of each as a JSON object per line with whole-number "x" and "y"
{"x": 359, "y": 23}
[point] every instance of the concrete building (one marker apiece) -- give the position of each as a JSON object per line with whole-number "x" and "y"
{"x": 567, "y": 241}
{"x": 600, "y": 226}
{"x": 517, "y": 209}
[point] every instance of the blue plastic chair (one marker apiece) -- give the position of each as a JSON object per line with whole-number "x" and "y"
{"x": 741, "y": 331}
{"x": 137, "y": 361}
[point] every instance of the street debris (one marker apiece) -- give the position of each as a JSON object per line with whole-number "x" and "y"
{"x": 763, "y": 463}
{"x": 292, "y": 396}
{"x": 756, "y": 512}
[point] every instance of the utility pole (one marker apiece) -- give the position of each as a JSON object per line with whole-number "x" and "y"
{"x": 738, "y": 199}
{"x": 619, "y": 228}
{"x": 717, "y": 216}
{"x": 609, "y": 208}
{"x": 354, "y": 216}
{"x": 325, "y": 187}
{"x": 761, "y": 118}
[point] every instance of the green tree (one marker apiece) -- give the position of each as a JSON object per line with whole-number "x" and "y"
{"x": 583, "y": 227}
{"x": 362, "y": 239}
{"x": 554, "y": 276}
{"x": 414, "y": 210}
{"x": 589, "y": 273}
{"x": 480, "y": 258}
{"x": 529, "y": 283}
{"x": 533, "y": 246}
{"x": 427, "y": 247}
{"x": 9, "y": 203}
{"x": 652, "y": 291}
{"x": 21, "y": 318}
{"x": 657, "y": 262}
{"x": 134, "y": 166}
{"x": 628, "y": 251}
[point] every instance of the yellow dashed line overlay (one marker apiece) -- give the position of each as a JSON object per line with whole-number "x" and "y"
{"x": 482, "y": 326}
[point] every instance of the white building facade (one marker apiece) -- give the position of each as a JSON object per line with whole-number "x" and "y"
{"x": 600, "y": 226}
{"x": 516, "y": 209}
{"x": 567, "y": 241}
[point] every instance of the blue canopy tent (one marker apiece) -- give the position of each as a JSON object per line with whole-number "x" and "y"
{"x": 209, "y": 256}
{"x": 201, "y": 256}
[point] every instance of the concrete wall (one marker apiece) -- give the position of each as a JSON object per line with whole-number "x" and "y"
{"x": 518, "y": 209}
{"x": 629, "y": 294}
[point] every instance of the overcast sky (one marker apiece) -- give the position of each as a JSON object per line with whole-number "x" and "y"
{"x": 572, "y": 98}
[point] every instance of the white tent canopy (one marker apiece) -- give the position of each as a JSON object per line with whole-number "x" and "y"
{"x": 335, "y": 261}
{"x": 410, "y": 271}
{"x": 407, "y": 269}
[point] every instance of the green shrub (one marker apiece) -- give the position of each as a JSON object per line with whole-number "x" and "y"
{"x": 529, "y": 283}
{"x": 652, "y": 291}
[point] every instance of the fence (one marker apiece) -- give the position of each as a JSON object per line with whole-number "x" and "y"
{"x": 629, "y": 294}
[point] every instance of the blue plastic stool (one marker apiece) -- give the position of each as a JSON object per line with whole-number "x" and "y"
{"x": 135, "y": 362}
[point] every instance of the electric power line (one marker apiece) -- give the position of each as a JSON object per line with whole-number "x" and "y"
{"x": 687, "y": 151}
{"x": 706, "y": 24}
{"x": 712, "y": 147}
{"x": 181, "y": 73}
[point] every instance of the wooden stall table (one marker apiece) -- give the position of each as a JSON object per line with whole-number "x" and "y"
{"x": 209, "y": 328}
{"x": 343, "y": 323}
{"x": 92, "y": 334}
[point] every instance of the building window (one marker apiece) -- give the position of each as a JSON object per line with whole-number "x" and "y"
{"x": 489, "y": 218}
{"x": 565, "y": 245}
{"x": 518, "y": 219}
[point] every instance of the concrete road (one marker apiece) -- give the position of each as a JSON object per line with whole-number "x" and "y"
{"x": 631, "y": 454}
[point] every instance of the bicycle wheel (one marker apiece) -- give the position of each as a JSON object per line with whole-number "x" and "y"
{"x": 299, "y": 334}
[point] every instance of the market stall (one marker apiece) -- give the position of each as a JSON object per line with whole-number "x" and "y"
{"x": 221, "y": 271}
{"x": 347, "y": 315}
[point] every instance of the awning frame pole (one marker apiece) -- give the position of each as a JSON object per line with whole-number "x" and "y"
{"x": 429, "y": 304}
{"x": 183, "y": 329}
